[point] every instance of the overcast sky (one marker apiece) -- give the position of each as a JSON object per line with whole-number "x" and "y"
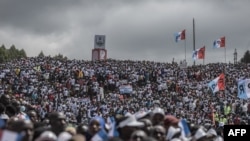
{"x": 134, "y": 29}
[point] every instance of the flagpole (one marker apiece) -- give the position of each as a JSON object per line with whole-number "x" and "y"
{"x": 225, "y": 74}
{"x": 185, "y": 44}
{"x": 204, "y": 56}
{"x": 225, "y": 81}
{"x": 225, "y": 55}
{"x": 193, "y": 38}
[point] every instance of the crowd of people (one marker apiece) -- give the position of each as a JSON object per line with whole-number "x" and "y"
{"x": 44, "y": 99}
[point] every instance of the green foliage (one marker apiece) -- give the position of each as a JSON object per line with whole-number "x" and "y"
{"x": 41, "y": 54}
{"x": 60, "y": 57}
{"x": 14, "y": 53}
{"x": 246, "y": 57}
{"x": 10, "y": 54}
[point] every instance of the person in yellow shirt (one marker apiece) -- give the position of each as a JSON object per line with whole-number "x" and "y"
{"x": 222, "y": 120}
{"x": 227, "y": 109}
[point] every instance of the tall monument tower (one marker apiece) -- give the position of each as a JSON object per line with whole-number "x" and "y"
{"x": 235, "y": 56}
{"x": 99, "y": 52}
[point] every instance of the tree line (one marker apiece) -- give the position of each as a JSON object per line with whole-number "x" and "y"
{"x": 14, "y": 53}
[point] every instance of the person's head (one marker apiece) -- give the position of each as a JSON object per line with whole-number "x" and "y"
{"x": 127, "y": 126}
{"x": 33, "y": 116}
{"x": 159, "y": 133}
{"x": 23, "y": 126}
{"x": 39, "y": 130}
{"x": 138, "y": 135}
{"x": 211, "y": 134}
{"x": 170, "y": 121}
{"x": 10, "y": 122}
{"x": 16, "y": 104}
{"x": 82, "y": 129}
{"x": 64, "y": 136}
{"x": 47, "y": 136}
{"x": 71, "y": 130}
{"x": 147, "y": 125}
{"x": 57, "y": 122}
{"x": 10, "y": 110}
{"x": 200, "y": 135}
{"x": 96, "y": 124}
{"x": 5, "y": 99}
{"x": 78, "y": 137}
{"x": 2, "y": 108}
{"x": 157, "y": 116}
{"x": 46, "y": 121}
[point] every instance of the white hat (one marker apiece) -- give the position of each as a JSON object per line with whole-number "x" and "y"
{"x": 199, "y": 134}
{"x": 221, "y": 124}
{"x": 158, "y": 110}
{"x": 4, "y": 116}
{"x": 172, "y": 131}
{"x": 130, "y": 121}
{"x": 47, "y": 135}
{"x": 140, "y": 114}
{"x": 211, "y": 131}
{"x": 64, "y": 136}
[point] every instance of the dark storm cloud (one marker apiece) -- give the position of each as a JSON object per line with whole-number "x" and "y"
{"x": 135, "y": 29}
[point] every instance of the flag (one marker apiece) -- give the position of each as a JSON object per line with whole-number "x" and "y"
{"x": 112, "y": 131}
{"x": 217, "y": 84}
{"x": 219, "y": 43}
{"x": 6, "y": 135}
{"x": 243, "y": 89}
{"x": 180, "y": 36}
{"x": 199, "y": 53}
{"x": 100, "y": 136}
{"x": 185, "y": 131}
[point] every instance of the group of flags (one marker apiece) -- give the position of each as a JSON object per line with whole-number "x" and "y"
{"x": 218, "y": 83}
{"x": 243, "y": 88}
{"x": 200, "y": 52}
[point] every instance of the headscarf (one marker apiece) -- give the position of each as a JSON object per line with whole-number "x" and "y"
{"x": 100, "y": 120}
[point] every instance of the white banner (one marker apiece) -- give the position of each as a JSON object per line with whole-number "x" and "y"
{"x": 126, "y": 89}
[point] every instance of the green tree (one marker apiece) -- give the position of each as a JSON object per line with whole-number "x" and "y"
{"x": 60, "y": 57}
{"x": 2, "y": 54}
{"x": 22, "y": 54}
{"x": 41, "y": 54}
{"x": 10, "y": 54}
{"x": 246, "y": 57}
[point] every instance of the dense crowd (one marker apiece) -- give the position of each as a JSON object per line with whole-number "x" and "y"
{"x": 43, "y": 99}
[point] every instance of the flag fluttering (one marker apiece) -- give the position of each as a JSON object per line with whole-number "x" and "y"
{"x": 217, "y": 84}
{"x": 180, "y": 35}
{"x": 243, "y": 89}
{"x": 219, "y": 43}
{"x": 199, "y": 53}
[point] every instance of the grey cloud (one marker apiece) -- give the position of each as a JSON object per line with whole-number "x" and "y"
{"x": 141, "y": 29}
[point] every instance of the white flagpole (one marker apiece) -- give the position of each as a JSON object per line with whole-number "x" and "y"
{"x": 185, "y": 48}
{"x": 225, "y": 55}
